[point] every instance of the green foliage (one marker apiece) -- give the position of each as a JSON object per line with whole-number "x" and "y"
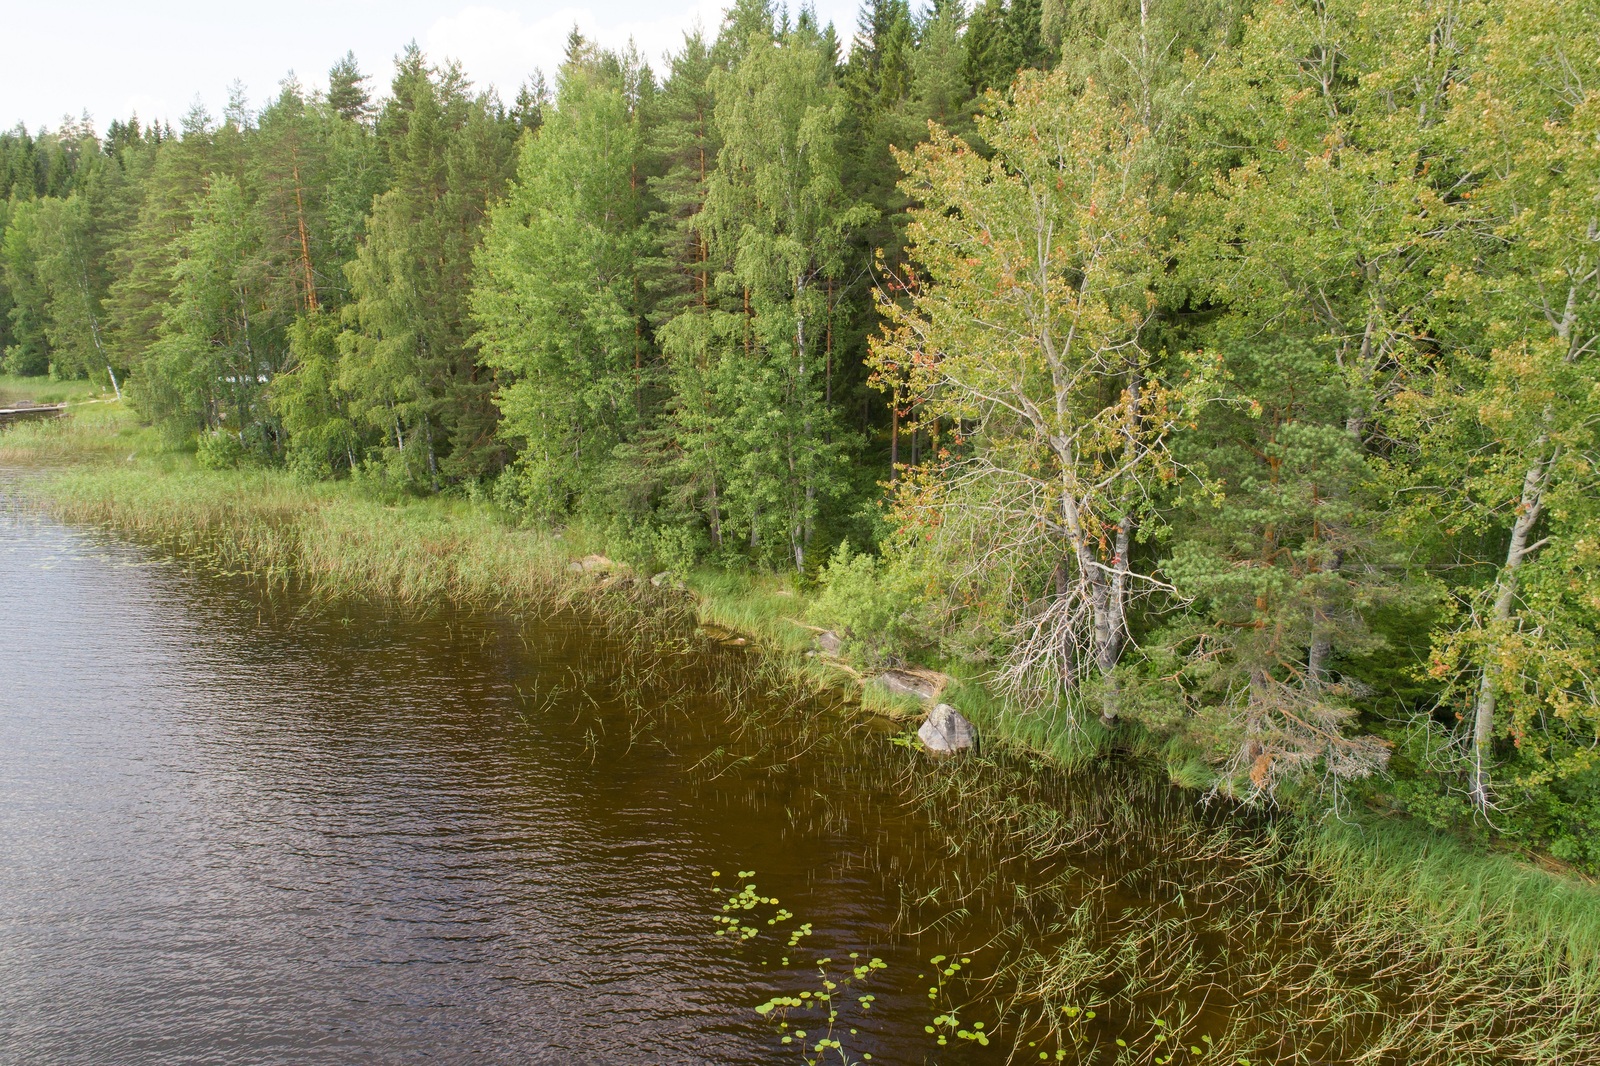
{"x": 407, "y": 362}
{"x": 1282, "y": 560}
{"x": 558, "y": 288}
{"x": 218, "y": 450}
{"x": 750, "y": 371}
{"x": 216, "y": 348}
{"x": 1233, "y": 374}
{"x": 322, "y": 441}
{"x": 27, "y": 352}
{"x": 862, "y": 605}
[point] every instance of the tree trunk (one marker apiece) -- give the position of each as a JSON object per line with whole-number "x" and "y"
{"x": 894, "y": 436}
{"x": 1530, "y": 507}
{"x": 809, "y": 473}
{"x": 433, "y": 459}
{"x": 1322, "y": 632}
{"x": 305, "y": 241}
{"x": 716, "y": 511}
{"x": 1107, "y": 596}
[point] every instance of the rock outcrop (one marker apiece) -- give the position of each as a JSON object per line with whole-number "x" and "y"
{"x": 921, "y": 685}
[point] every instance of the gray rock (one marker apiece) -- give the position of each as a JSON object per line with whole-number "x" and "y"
{"x": 829, "y": 643}
{"x": 902, "y": 683}
{"x": 946, "y": 730}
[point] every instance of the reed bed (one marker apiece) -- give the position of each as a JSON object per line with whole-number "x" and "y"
{"x": 1104, "y": 905}
{"x": 331, "y": 542}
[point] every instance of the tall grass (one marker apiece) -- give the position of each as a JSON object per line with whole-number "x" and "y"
{"x": 332, "y": 541}
{"x": 94, "y": 432}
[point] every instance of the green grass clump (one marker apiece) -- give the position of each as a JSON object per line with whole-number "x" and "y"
{"x": 764, "y": 606}
{"x": 1072, "y": 740}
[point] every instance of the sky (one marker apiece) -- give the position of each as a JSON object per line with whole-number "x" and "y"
{"x": 157, "y": 57}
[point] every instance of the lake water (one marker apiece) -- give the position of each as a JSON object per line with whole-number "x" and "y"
{"x": 244, "y": 827}
{"x": 236, "y": 829}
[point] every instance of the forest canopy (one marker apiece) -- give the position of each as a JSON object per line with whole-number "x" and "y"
{"x": 1223, "y": 371}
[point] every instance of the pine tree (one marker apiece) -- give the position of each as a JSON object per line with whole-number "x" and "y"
{"x": 347, "y": 90}
{"x": 1279, "y": 548}
{"x": 682, "y": 150}
{"x": 288, "y": 176}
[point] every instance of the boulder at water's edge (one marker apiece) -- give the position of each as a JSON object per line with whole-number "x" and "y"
{"x": 946, "y": 729}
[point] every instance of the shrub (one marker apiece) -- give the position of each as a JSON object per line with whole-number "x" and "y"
{"x": 218, "y": 450}
{"x": 861, "y": 606}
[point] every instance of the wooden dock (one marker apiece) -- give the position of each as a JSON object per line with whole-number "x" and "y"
{"x": 27, "y": 412}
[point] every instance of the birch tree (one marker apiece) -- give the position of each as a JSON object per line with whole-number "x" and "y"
{"x": 1510, "y": 426}
{"x": 557, "y": 284}
{"x": 214, "y": 352}
{"x": 1029, "y": 334}
{"x": 776, "y": 218}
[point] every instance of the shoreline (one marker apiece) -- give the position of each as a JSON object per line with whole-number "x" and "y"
{"x": 1386, "y": 880}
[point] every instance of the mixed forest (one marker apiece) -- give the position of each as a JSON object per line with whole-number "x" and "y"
{"x": 1219, "y": 372}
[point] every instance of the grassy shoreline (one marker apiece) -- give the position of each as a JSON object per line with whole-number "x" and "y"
{"x": 1387, "y": 884}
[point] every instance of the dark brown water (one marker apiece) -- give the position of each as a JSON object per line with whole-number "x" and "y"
{"x": 242, "y": 827}
{"x": 235, "y": 829}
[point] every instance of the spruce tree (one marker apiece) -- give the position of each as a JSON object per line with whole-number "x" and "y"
{"x": 142, "y": 265}
{"x": 409, "y": 360}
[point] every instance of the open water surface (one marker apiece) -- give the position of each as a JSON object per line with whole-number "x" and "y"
{"x": 242, "y": 826}
{"x": 237, "y": 829}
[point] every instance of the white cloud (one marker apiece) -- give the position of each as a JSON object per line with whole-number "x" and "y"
{"x": 502, "y": 47}
{"x": 497, "y": 47}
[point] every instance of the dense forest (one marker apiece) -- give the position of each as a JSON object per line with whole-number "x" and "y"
{"x": 1216, "y": 371}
